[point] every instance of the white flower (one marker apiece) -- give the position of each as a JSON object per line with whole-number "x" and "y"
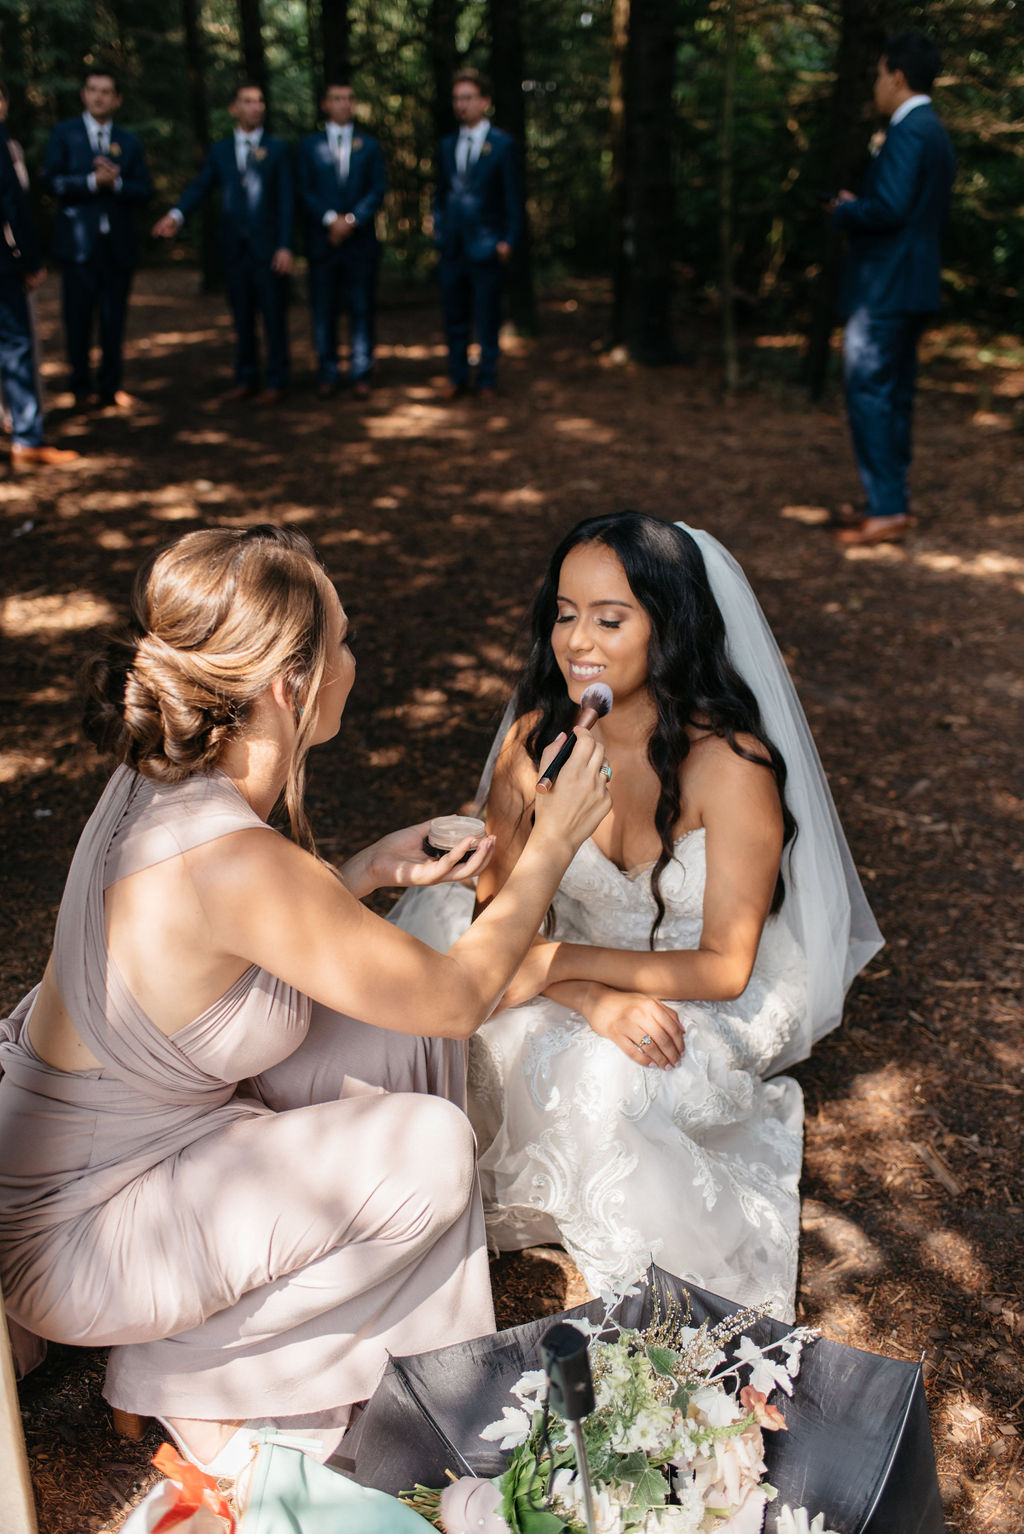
{"x": 718, "y": 1406}
{"x": 687, "y": 1518}
{"x": 797, "y": 1521}
{"x": 512, "y": 1430}
{"x": 765, "y": 1373}
{"x": 607, "y": 1502}
{"x": 651, "y": 1429}
{"x": 530, "y": 1387}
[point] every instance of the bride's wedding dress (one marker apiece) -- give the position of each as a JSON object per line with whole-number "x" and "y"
{"x": 696, "y": 1166}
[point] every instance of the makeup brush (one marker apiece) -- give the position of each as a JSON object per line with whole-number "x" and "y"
{"x": 594, "y": 704}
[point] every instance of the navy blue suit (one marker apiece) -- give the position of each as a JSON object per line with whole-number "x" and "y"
{"x": 345, "y": 274}
{"x": 256, "y": 221}
{"x": 18, "y": 260}
{"x": 95, "y": 241}
{"x": 473, "y": 214}
{"x": 890, "y": 285}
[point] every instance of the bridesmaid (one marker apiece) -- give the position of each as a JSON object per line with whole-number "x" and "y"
{"x": 225, "y": 1149}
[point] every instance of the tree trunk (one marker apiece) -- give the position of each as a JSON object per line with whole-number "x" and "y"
{"x": 861, "y": 37}
{"x": 617, "y": 191}
{"x": 192, "y": 23}
{"x": 336, "y": 40}
{"x": 254, "y": 62}
{"x": 645, "y": 301}
{"x": 726, "y": 204}
{"x": 444, "y": 60}
{"x": 507, "y": 71}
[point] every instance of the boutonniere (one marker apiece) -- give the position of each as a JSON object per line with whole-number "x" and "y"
{"x": 485, "y": 148}
{"x": 357, "y": 143}
{"x": 259, "y": 153}
{"x": 114, "y": 151}
{"x": 875, "y": 142}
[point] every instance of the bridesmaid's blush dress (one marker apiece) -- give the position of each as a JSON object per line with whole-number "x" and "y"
{"x": 252, "y": 1212}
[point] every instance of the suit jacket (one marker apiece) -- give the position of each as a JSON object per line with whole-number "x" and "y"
{"x": 893, "y": 259}
{"x": 474, "y": 213}
{"x": 66, "y": 171}
{"x": 26, "y": 256}
{"x": 321, "y": 190}
{"x": 269, "y": 226}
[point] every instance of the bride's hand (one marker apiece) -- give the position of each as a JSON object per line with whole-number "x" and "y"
{"x": 398, "y": 860}
{"x": 532, "y": 976}
{"x": 629, "y": 1018}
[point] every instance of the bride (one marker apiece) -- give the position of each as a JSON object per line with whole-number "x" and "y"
{"x": 624, "y": 1094}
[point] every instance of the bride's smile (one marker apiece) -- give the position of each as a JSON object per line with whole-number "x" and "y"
{"x": 600, "y": 631}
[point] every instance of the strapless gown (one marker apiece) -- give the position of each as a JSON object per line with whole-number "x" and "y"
{"x": 697, "y": 1167}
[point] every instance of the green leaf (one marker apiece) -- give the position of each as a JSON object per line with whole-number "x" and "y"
{"x": 650, "y": 1488}
{"x": 681, "y": 1400}
{"x": 663, "y": 1360}
{"x": 533, "y": 1520}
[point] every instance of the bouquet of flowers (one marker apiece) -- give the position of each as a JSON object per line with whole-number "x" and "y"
{"x": 674, "y": 1442}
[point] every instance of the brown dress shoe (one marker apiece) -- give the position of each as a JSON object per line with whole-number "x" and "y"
{"x": 360, "y": 389}
{"x": 486, "y": 394}
{"x": 23, "y": 456}
{"x": 269, "y": 397}
{"x": 454, "y": 391}
{"x": 872, "y": 530}
{"x": 119, "y": 400}
{"x": 238, "y": 392}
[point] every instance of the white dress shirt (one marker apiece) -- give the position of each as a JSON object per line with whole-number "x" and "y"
{"x": 99, "y": 141}
{"x": 339, "y": 139}
{"x": 469, "y": 145}
{"x": 243, "y": 143}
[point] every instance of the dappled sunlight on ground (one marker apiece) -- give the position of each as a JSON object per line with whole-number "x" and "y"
{"x": 435, "y": 520}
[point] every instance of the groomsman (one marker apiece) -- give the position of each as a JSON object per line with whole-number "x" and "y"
{"x": 253, "y": 173}
{"x": 477, "y": 221}
{"x": 21, "y": 272}
{"x": 98, "y": 174}
{"x": 342, "y": 182}
{"x": 891, "y": 282}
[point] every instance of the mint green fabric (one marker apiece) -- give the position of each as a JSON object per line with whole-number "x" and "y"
{"x": 293, "y": 1494}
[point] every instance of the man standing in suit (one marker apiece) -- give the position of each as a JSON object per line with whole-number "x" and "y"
{"x": 21, "y": 272}
{"x": 254, "y": 175}
{"x": 477, "y": 221}
{"x": 98, "y": 174}
{"x": 342, "y": 182}
{"x": 891, "y": 281}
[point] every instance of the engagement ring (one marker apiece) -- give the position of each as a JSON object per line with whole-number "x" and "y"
{"x": 606, "y": 772}
{"x": 644, "y": 1041}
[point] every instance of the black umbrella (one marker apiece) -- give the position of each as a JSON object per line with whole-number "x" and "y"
{"x": 858, "y": 1447}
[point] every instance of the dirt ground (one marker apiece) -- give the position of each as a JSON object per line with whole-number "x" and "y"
{"x": 435, "y": 521}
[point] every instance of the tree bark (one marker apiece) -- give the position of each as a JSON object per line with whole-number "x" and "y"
{"x": 617, "y": 190}
{"x": 644, "y": 303}
{"x": 336, "y": 40}
{"x": 507, "y": 72}
{"x": 861, "y": 36}
{"x": 726, "y": 204}
{"x": 444, "y": 60}
{"x": 199, "y": 117}
{"x": 254, "y": 62}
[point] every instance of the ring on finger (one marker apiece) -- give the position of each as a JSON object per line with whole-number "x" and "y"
{"x": 606, "y": 771}
{"x": 644, "y": 1041}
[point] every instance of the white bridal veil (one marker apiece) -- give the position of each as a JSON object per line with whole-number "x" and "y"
{"x": 825, "y": 905}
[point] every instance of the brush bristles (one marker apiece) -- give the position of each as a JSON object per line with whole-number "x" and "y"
{"x": 597, "y": 696}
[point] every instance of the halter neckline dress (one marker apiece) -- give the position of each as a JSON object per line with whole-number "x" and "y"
{"x": 252, "y": 1212}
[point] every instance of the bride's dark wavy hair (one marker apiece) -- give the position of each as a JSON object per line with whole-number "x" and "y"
{"x": 690, "y": 677}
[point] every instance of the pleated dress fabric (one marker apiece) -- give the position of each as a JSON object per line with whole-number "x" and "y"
{"x": 251, "y": 1212}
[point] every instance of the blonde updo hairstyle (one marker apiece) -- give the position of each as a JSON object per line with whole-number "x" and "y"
{"x": 216, "y": 617}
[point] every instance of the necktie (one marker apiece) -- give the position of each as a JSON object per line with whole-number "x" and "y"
{"x": 344, "y": 156}
{"x": 251, "y": 178}
{"x": 462, "y": 152}
{"x": 102, "y": 148}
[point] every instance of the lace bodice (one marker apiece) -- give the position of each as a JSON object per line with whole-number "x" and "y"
{"x": 609, "y": 907}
